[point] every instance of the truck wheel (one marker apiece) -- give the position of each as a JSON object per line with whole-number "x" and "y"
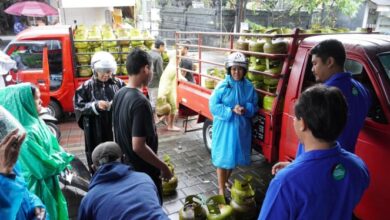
{"x": 207, "y": 134}
{"x": 54, "y": 129}
{"x": 55, "y": 109}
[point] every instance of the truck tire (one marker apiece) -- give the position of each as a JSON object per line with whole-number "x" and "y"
{"x": 55, "y": 109}
{"x": 207, "y": 134}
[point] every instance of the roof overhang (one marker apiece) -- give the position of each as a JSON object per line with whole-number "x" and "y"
{"x": 95, "y": 3}
{"x": 382, "y": 5}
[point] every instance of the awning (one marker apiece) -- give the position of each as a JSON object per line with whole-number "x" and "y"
{"x": 95, "y": 3}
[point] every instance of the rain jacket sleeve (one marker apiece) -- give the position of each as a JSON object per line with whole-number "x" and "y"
{"x": 83, "y": 103}
{"x": 217, "y": 108}
{"x": 251, "y": 106}
{"x": 11, "y": 196}
{"x": 16, "y": 202}
{"x": 43, "y": 164}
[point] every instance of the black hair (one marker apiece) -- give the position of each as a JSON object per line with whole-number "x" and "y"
{"x": 324, "y": 110}
{"x": 136, "y": 60}
{"x": 330, "y": 48}
{"x": 33, "y": 89}
{"x": 186, "y": 42}
{"x": 158, "y": 43}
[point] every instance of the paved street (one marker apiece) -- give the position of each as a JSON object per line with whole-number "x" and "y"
{"x": 191, "y": 159}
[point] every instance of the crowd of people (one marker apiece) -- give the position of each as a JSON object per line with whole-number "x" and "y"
{"x": 326, "y": 181}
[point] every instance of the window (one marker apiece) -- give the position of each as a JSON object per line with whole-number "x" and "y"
{"x": 359, "y": 74}
{"x": 55, "y": 63}
{"x": 29, "y": 57}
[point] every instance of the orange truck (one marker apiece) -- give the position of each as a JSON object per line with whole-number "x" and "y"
{"x": 368, "y": 59}
{"x": 47, "y": 57}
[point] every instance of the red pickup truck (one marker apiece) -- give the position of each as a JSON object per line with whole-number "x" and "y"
{"x": 368, "y": 59}
{"x": 47, "y": 57}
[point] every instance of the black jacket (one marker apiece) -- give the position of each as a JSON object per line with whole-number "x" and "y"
{"x": 96, "y": 123}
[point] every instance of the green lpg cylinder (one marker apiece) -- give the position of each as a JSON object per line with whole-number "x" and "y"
{"x": 243, "y": 199}
{"x": 170, "y": 186}
{"x": 268, "y": 101}
{"x": 193, "y": 209}
{"x": 217, "y": 209}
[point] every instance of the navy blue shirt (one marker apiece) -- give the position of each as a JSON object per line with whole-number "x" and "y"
{"x": 359, "y": 103}
{"x": 118, "y": 192}
{"x": 319, "y": 184}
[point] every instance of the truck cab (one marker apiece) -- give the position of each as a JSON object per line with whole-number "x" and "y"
{"x": 61, "y": 72}
{"x": 368, "y": 59}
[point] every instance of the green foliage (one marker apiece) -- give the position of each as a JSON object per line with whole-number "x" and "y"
{"x": 328, "y": 8}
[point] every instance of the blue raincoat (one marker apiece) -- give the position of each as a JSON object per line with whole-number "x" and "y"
{"x": 16, "y": 202}
{"x": 232, "y": 133}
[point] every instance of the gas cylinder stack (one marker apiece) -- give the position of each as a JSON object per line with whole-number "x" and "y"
{"x": 118, "y": 42}
{"x": 263, "y": 71}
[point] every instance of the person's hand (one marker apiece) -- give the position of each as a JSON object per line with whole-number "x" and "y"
{"x": 278, "y": 166}
{"x": 9, "y": 151}
{"x": 239, "y": 110}
{"x": 40, "y": 213}
{"x": 166, "y": 173}
{"x": 103, "y": 105}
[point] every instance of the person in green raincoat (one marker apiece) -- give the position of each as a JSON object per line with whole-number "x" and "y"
{"x": 41, "y": 157}
{"x": 167, "y": 90}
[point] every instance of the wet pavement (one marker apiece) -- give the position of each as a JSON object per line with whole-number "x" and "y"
{"x": 191, "y": 159}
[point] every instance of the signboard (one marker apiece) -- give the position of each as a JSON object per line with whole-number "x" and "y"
{"x": 95, "y": 3}
{"x": 259, "y": 127}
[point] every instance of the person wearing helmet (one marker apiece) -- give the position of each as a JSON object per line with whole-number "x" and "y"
{"x": 92, "y": 102}
{"x": 233, "y": 103}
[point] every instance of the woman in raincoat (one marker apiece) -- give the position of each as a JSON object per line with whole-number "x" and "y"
{"x": 41, "y": 157}
{"x": 232, "y": 104}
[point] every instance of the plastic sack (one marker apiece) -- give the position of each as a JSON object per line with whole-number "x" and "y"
{"x": 8, "y": 123}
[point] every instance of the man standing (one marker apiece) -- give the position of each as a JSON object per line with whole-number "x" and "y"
{"x": 186, "y": 63}
{"x": 328, "y": 58}
{"x": 325, "y": 181}
{"x": 157, "y": 61}
{"x": 134, "y": 126}
{"x": 117, "y": 191}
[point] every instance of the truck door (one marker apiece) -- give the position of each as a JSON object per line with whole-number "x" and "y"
{"x": 372, "y": 144}
{"x": 32, "y": 66}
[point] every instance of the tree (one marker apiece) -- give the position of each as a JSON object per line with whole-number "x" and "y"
{"x": 328, "y": 8}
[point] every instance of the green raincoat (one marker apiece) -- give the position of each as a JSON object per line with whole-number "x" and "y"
{"x": 167, "y": 86}
{"x": 41, "y": 157}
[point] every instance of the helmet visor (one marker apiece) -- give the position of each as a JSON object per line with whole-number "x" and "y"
{"x": 104, "y": 70}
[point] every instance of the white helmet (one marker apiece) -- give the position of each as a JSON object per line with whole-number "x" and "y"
{"x": 103, "y": 61}
{"x": 236, "y": 59}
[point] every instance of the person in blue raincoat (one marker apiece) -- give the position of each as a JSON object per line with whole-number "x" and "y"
{"x": 325, "y": 181}
{"x": 233, "y": 103}
{"x": 16, "y": 202}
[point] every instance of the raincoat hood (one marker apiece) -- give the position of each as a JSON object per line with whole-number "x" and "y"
{"x": 109, "y": 172}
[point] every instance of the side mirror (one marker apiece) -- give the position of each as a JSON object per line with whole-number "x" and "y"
{"x": 8, "y": 78}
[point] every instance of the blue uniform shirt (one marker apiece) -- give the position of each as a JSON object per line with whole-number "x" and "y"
{"x": 358, "y": 101}
{"x": 118, "y": 192}
{"x": 320, "y": 184}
